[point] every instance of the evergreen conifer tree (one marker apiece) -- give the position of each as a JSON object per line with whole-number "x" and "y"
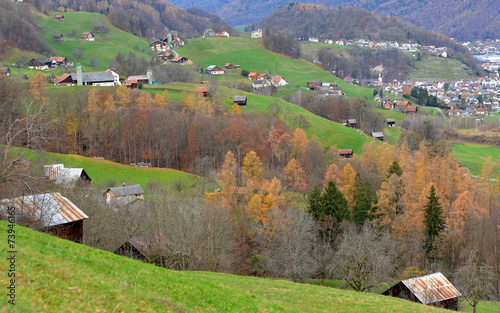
{"x": 434, "y": 220}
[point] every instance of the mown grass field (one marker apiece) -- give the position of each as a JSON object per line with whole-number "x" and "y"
{"x": 54, "y": 275}
{"x": 311, "y": 49}
{"x": 104, "y": 171}
{"x": 250, "y": 54}
{"x": 443, "y": 69}
{"x": 103, "y": 49}
{"x": 473, "y": 156}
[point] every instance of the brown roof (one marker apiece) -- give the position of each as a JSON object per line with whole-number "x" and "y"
{"x": 411, "y": 108}
{"x": 202, "y": 89}
{"x": 345, "y": 151}
{"x": 58, "y": 59}
{"x": 432, "y": 288}
{"x": 177, "y": 59}
{"x": 61, "y": 78}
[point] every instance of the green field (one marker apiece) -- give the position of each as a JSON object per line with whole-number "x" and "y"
{"x": 311, "y": 49}
{"x": 54, "y": 275}
{"x": 104, "y": 171}
{"x": 473, "y": 156}
{"x": 250, "y": 54}
{"x": 433, "y": 69}
{"x": 103, "y": 50}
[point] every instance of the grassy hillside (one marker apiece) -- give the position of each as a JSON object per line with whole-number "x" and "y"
{"x": 54, "y": 275}
{"x": 102, "y": 171}
{"x": 106, "y": 44}
{"x": 433, "y": 69}
{"x": 250, "y": 54}
{"x": 329, "y": 133}
{"x": 473, "y": 156}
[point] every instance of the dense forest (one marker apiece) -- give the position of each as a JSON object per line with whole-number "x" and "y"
{"x": 351, "y": 23}
{"x": 146, "y": 18}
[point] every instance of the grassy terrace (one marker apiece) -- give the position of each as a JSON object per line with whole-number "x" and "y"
{"x": 54, "y": 275}
{"x": 473, "y": 156}
{"x": 433, "y": 68}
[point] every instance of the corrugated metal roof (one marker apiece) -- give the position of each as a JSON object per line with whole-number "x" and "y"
{"x": 240, "y": 98}
{"x": 51, "y": 208}
{"x": 69, "y": 176}
{"x": 432, "y": 288}
{"x": 127, "y": 190}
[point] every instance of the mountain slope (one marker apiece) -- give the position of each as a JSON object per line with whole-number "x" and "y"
{"x": 461, "y": 19}
{"x": 54, "y": 275}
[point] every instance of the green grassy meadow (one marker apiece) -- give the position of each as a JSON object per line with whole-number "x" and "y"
{"x": 311, "y": 49}
{"x": 473, "y": 156}
{"x": 54, "y": 275}
{"x": 433, "y": 68}
{"x": 103, "y": 49}
{"x": 103, "y": 171}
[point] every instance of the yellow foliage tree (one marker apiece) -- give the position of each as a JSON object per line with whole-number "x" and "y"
{"x": 347, "y": 181}
{"x": 38, "y": 86}
{"x": 251, "y": 170}
{"x": 299, "y": 143}
{"x": 295, "y": 176}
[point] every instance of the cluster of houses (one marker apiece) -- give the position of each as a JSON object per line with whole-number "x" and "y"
{"x": 170, "y": 41}
{"x": 325, "y": 89}
{"x": 105, "y": 78}
{"x": 465, "y": 97}
{"x": 262, "y": 80}
{"x": 210, "y": 33}
{"x": 48, "y": 63}
{"x": 373, "y": 45}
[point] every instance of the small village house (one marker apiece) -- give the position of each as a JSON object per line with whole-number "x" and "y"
{"x": 181, "y": 60}
{"x": 88, "y": 36}
{"x": 159, "y": 46}
{"x": 256, "y": 33}
{"x": 433, "y": 289}
{"x": 278, "y": 81}
{"x": 129, "y": 193}
{"x": 134, "y": 81}
{"x": 214, "y": 70}
{"x": 49, "y": 212}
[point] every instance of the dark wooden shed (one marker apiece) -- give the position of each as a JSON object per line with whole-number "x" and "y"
{"x": 352, "y": 123}
{"x": 390, "y": 122}
{"x": 240, "y": 100}
{"x": 345, "y": 153}
{"x": 50, "y": 212}
{"x": 433, "y": 289}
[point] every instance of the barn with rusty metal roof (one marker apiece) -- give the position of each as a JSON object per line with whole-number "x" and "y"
{"x": 433, "y": 289}
{"x": 50, "y": 212}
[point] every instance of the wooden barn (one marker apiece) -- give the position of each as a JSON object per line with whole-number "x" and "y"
{"x": 345, "y": 153}
{"x": 147, "y": 249}
{"x": 240, "y": 100}
{"x": 378, "y": 136}
{"x": 352, "y": 123}
{"x": 203, "y": 91}
{"x": 433, "y": 289}
{"x": 390, "y": 122}
{"x": 122, "y": 193}
{"x": 49, "y": 212}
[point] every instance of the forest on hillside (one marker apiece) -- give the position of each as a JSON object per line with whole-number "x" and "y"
{"x": 270, "y": 201}
{"x": 146, "y": 18}
{"x": 351, "y": 23}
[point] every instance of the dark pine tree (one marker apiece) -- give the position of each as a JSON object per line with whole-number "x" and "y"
{"x": 394, "y": 168}
{"x": 434, "y": 220}
{"x": 364, "y": 198}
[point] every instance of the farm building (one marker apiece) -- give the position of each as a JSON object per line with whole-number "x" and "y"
{"x": 68, "y": 177}
{"x": 203, "y": 91}
{"x": 125, "y": 194}
{"x": 146, "y": 249}
{"x": 345, "y": 153}
{"x": 240, "y": 100}
{"x": 49, "y": 212}
{"x": 378, "y": 135}
{"x": 433, "y": 289}
{"x": 352, "y": 123}
{"x": 390, "y": 122}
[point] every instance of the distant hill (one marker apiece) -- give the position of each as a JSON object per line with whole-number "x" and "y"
{"x": 145, "y": 18}
{"x": 461, "y": 19}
